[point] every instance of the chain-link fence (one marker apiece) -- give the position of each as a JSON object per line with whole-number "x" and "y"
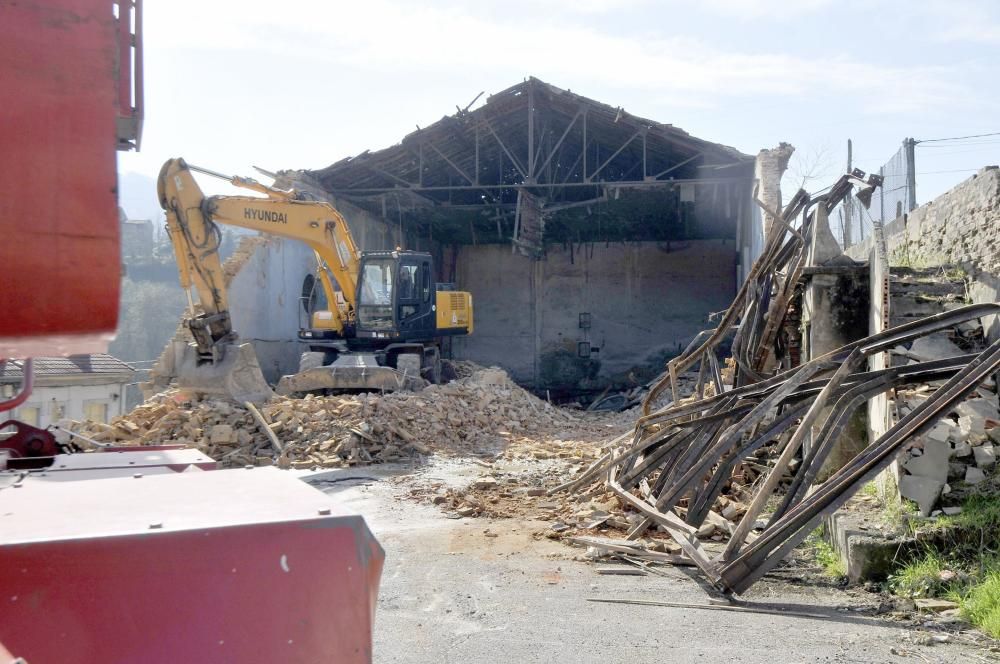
{"x": 851, "y": 223}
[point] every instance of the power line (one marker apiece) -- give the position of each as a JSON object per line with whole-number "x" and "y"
{"x": 957, "y": 170}
{"x": 964, "y": 144}
{"x": 957, "y": 138}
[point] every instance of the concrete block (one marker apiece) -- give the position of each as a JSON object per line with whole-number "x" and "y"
{"x": 960, "y": 449}
{"x": 944, "y": 431}
{"x": 933, "y": 463}
{"x": 985, "y": 455}
{"x": 935, "y": 605}
{"x": 868, "y": 554}
{"x": 973, "y": 413}
{"x": 222, "y": 433}
{"x": 935, "y": 347}
{"x": 974, "y": 475}
{"x": 924, "y": 491}
{"x": 972, "y": 425}
{"x": 980, "y": 407}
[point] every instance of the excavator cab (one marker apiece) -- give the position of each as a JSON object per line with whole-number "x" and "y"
{"x": 392, "y": 340}
{"x": 396, "y": 298}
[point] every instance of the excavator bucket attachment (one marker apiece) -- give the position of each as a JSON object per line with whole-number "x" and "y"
{"x": 351, "y": 373}
{"x": 236, "y": 376}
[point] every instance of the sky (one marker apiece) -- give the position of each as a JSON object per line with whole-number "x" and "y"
{"x": 304, "y": 83}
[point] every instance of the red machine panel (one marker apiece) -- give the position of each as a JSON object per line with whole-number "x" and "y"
{"x": 223, "y": 566}
{"x": 58, "y": 208}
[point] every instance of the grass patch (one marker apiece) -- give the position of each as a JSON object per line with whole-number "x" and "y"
{"x": 981, "y": 604}
{"x": 921, "y": 578}
{"x": 972, "y": 536}
{"x": 871, "y": 490}
{"x": 967, "y": 544}
{"x": 827, "y": 558}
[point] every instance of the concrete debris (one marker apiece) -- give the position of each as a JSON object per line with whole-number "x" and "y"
{"x": 985, "y": 456}
{"x": 935, "y": 605}
{"x": 924, "y": 491}
{"x": 979, "y": 409}
{"x": 934, "y": 347}
{"x": 974, "y": 475}
{"x": 482, "y": 414}
{"x": 933, "y": 463}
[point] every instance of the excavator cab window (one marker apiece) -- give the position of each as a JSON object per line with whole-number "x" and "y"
{"x": 375, "y": 294}
{"x": 408, "y": 290}
{"x": 407, "y": 282}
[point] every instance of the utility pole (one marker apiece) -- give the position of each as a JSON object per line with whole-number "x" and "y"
{"x": 848, "y": 203}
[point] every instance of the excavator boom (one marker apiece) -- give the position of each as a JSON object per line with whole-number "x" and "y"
{"x": 192, "y": 217}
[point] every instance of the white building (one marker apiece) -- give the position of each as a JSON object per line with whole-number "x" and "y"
{"x": 75, "y": 387}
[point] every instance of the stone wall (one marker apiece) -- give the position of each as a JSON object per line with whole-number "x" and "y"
{"x": 645, "y": 301}
{"x": 960, "y": 228}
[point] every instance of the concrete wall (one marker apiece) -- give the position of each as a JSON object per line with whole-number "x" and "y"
{"x": 264, "y": 303}
{"x": 960, "y": 228}
{"x": 645, "y": 300}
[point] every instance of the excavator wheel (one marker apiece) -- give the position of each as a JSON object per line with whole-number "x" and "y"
{"x": 431, "y": 365}
{"x": 408, "y": 363}
{"x": 448, "y": 372}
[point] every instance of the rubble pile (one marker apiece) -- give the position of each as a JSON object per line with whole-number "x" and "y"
{"x": 955, "y": 456}
{"x": 506, "y": 495}
{"x": 958, "y": 454}
{"x": 484, "y": 414}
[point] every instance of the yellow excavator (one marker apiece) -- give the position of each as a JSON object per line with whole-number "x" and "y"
{"x": 375, "y": 324}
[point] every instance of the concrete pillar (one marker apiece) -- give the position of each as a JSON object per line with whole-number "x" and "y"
{"x": 824, "y": 310}
{"x": 767, "y": 171}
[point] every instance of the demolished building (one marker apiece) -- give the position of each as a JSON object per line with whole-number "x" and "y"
{"x": 595, "y": 243}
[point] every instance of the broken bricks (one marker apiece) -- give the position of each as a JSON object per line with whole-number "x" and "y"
{"x": 469, "y": 416}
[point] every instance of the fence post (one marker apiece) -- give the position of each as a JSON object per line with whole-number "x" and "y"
{"x": 848, "y": 204}
{"x": 881, "y": 195}
{"x": 911, "y": 173}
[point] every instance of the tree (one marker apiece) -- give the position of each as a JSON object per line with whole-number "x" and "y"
{"x": 149, "y": 315}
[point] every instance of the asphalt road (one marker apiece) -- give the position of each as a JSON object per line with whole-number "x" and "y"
{"x": 478, "y": 590}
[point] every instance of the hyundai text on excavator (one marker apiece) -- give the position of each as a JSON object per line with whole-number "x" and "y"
{"x": 375, "y": 324}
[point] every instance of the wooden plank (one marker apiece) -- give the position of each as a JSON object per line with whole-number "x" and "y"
{"x": 265, "y": 427}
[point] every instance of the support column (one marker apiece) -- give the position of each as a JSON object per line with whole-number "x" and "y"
{"x": 767, "y": 170}
{"x": 835, "y": 309}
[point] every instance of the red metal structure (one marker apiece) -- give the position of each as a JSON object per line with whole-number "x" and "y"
{"x": 218, "y": 566}
{"x": 68, "y": 68}
{"x": 132, "y": 554}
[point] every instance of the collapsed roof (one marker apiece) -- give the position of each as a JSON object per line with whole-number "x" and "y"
{"x": 561, "y": 148}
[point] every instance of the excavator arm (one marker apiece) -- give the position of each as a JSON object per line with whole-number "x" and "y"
{"x": 196, "y": 241}
{"x": 191, "y": 224}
